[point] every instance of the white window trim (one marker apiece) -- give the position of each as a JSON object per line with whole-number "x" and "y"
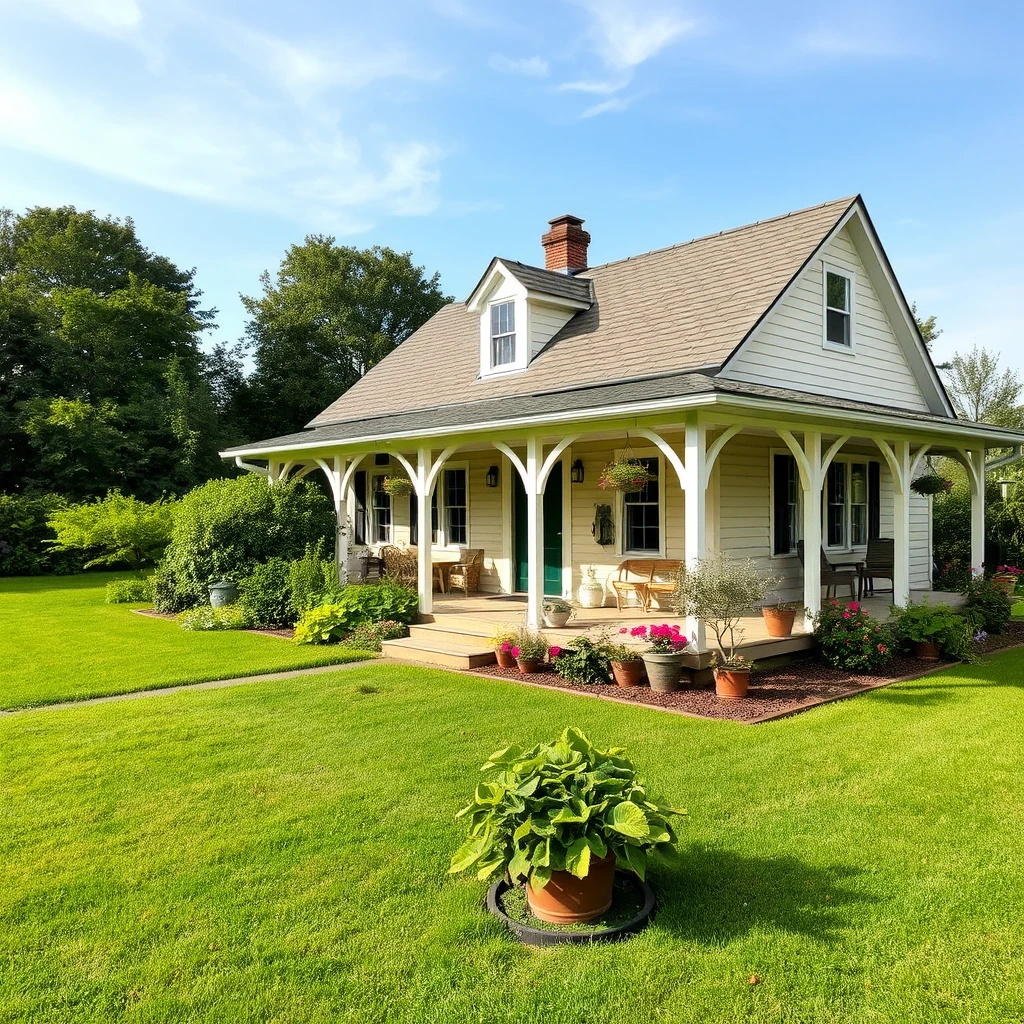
{"x": 792, "y": 553}
{"x": 514, "y": 334}
{"x": 506, "y": 292}
{"x": 846, "y": 548}
{"x": 442, "y": 543}
{"x": 620, "y": 505}
{"x": 831, "y": 346}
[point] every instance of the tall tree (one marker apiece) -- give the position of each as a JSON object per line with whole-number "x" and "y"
{"x": 926, "y": 325}
{"x": 984, "y": 392}
{"x": 330, "y": 313}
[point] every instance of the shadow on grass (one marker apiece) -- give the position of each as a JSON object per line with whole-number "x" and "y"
{"x": 716, "y": 895}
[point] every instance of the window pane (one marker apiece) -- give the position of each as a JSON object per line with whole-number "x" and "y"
{"x": 838, "y": 292}
{"x": 837, "y": 327}
{"x": 858, "y": 503}
{"x": 836, "y": 505}
{"x": 642, "y": 517}
{"x": 858, "y": 524}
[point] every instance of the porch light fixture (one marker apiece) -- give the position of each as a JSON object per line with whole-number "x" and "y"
{"x": 576, "y": 472}
{"x": 492, "y": 477}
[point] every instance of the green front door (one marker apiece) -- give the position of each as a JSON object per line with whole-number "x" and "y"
{"x": 552, "y": 534}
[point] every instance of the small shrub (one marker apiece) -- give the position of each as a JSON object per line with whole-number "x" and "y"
{"x": 937, "y": 623}
{"x": 583, "y": 661}
{"x": 266, "y": 595}
{"x": 356, "y": 605}
{"x": 26, "y": 547}
{"x": 988, "y": 605}
{"x": 206, "y": 618}
{"x": 529, "y": 645}
{"x": 327, "y": 624}
{"x": 371, "y": 635}
{"x": 313, "y": 579}
{"x": 503, "y": 634}
{"x": 130, "y": 591}
{"x": 850, "y": 639}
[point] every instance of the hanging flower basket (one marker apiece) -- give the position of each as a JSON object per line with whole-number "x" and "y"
{"x": 397, "y": 486}
{"x": 625, "y": 475}
{"x": 931, "y": 483}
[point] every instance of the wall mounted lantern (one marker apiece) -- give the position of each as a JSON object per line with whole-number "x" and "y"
{"x": 576, "y": 472}
{"x": 492, "y": 477}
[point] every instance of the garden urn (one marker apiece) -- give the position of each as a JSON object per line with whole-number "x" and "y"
{"x": 567, "y": 899}
{"x": 223, "y": 593}
{"x": 591, "y": 593}
{"x": 664, "y": 671}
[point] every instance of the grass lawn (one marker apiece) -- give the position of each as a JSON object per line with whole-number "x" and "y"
{"x": 59, "y": 641}
{"x": 277, "y": 852}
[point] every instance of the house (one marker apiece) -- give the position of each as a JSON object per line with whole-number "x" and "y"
{"x": 771, "y": 378}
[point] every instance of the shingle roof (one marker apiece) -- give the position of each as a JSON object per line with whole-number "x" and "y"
{"x": 549, "y": 282}
{"x": 686, "y": 307}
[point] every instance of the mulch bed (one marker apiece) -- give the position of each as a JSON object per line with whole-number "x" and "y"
{"x": 774, "y": 693}
{"x": 284, "y": 634}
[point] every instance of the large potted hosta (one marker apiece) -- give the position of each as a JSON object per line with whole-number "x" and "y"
{"x": 560, "y": 818}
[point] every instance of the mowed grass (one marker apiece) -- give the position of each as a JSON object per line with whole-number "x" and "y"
{"x": 59, "y": 641}
{"x": 278, "y": 852}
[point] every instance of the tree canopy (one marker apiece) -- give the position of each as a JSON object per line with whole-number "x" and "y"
{"x": 983, "y": 391}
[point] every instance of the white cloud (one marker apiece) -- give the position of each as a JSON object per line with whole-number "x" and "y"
{"x": 96, "y": 15}
{"x": 597, "y": 88}
{"x": 532, "y": 67}
{"x": 614, "y": 105}
{"x": 626, "y": 34}
{"x": 844, "y": 42}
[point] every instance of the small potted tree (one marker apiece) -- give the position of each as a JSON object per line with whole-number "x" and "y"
{"x": 529, "y": 650}
{"x": 720, "y": 592}
{"x": 663, "y": 658}
{"x": 627, "y": 664}
{"x": 559, "y": 818}
{"x": 557, "y": 612}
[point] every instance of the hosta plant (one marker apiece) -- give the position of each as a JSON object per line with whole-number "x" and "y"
{"x": 561, "y": 806}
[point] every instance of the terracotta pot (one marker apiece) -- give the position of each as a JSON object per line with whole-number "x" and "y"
{"x": 732, "y": 683}
{"x": 528, "y": 665}
{"x": 1007, "y": 584}
{"x": 627, "y": 673}
{"x": 927, "y": 650}
{"x": 664, "y": 672}
{"x": 504, "y": 659}
{"x": 567, "y": 899}
{"x": 779, "y": 621}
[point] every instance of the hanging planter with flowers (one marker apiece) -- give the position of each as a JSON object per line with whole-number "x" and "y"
{"x": 397, "y": 486}
{"x": 931, "y": 483}
{"x": 627, "y": 474}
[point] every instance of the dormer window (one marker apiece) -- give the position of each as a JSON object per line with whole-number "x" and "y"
{"x": 838, "y": 309}
{"x": 503, "y": 333}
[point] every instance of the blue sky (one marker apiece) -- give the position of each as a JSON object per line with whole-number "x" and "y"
{"x": 455, "y": 129}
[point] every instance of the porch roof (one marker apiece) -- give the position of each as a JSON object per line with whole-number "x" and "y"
{"x": 631, "y": 397}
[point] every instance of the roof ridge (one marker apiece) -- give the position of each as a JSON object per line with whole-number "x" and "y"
{"x": 849, "y": 200}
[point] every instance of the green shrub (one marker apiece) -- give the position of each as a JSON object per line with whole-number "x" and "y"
{"x": 936, "y": 623}
{"x": 357, "y": 604}
{"x": 313, "y": 579}
{"x": 266, "y": 595}
{"x": 227, "y": 527}
{"x": 988, "y": 606}
{"x": 25, "y": 538}
{"x": 371, "y": 635}
{"x": 130, "y": 591}
{"x": 582, "y": 661}
{"x": 850, "y": 639}
{"x": 206, "y": 618}
{"x": 120, "y": 529}
{"x": 327, "y": 624}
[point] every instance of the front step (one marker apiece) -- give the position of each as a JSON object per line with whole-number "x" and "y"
{"x": 443, "y": 651}
{"x": 461, "y": 636}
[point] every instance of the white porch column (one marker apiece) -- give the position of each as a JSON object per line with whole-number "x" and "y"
{"x": 901, "y": 523}
{"x": 977, "y": 511}
{"x": 339, "y": 475}
{"x": 810, "y": 474}
{"x": 425, "y": 547}
{"x": 695, "y": 512}
{"x": 534, "y": 533}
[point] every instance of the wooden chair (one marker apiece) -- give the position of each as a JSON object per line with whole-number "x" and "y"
{"x": 664, "y": 578}
{"x": 633, "y": 579}
{"x": 465, "y": 573}
{"x": 399, "y": 565}
{"x": 879, "y": 561}
{"x": 832, "y": 576}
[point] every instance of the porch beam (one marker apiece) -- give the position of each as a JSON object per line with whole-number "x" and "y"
{"x": 915, "y": 464}
{"x": 513, "y": 458}
{"x": 832, "y": 452}
{"x": 553, "y": 456}
{"x": 692, "y": 475}
{"x": 667, "y": 450}
{"x": 716, "y": 449}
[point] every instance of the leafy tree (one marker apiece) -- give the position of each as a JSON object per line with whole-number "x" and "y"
{"x": 927, "y": 326}
{"x": 123, "y": 529}
{"x": 329, "y": 315}
{"x": 982, "y": 391}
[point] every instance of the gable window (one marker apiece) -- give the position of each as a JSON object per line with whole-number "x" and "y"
{"x": 381, "y": 512}
{"x": 449, "y": 509}
{"x": 503, "y": 333}
{"x": 838, "y": 309}
{"x": 642, "y": 513}
{"x": 785, "y": 504}
{"x": 852, "y": 504}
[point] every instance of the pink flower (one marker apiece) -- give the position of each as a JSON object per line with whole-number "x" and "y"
{"x": 882, "y": 648}
{"x": 846, "y": 615}
{"x": 680, "y": 641}
{"x": 639, "y": 631}
{"x": 506, "y": 647}
{"x": 853, "y": 606}
{"x": 514, "y": 651}
{"x": 625, "y": 629}
{"x": 554, "y": 652}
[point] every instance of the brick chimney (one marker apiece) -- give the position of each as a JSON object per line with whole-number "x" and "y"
{"x": 565, "y": 245}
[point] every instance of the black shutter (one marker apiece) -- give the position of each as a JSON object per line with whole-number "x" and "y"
{"x": 781, "y": 469}
{"x": 359, "y": 486}
{"x": 874, "y": 501}
{"x": 414, "y": 519}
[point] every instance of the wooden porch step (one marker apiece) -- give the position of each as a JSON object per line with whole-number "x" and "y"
{"x": 475, "y": 635}
{"x": 441, "y": 652}
{"x": 760, "y": 650}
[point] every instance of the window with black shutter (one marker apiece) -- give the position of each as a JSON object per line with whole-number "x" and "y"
{"x": 359, "y": 488}
{"x": 786, "y": 498}
{"x": 874, "y": 501}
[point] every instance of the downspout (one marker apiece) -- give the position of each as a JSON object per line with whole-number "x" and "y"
{"x": 251, "y": 467}
{"x": 1005, "y": 460}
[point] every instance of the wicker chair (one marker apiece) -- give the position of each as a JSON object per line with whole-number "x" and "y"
{"x": 399, "y": 564}
{"x": 879, "y": 561}
{"x": 465, "y": 573}
{"x": 832, "y": 576}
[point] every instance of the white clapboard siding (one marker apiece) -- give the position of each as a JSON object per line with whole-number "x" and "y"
{"x": 545, "y": 322}
{"x": 786, "y": 350}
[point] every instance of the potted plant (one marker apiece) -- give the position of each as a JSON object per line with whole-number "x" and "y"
{"x": 931, "y": 483}
{"x": 931, "y": 630}
{"x": 559, "y": 818}
{"x": 582, "y": 660}
{"x": 626, "y": 474}
{"x": 557, "y": 612}
{"x": 663, "y": 657}
{"x": 503, "y": 639}
{"x": 529, "y": 650}
{"x": 627, "y": 664}
{"x": 397, "y": 486}
{"x": 1006, "y": 578}
{"x": 779, "y": 617}
{"x": 721, "y": 591}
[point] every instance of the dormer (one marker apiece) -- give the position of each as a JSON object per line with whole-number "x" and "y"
{"x": 522, "y": 308}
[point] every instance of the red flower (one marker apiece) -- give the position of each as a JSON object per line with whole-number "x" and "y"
{"x": 554, "y": 651}
{"x": 846, "y": 615}
{"x": 881, "y": 648}
{"x": 514, "y": 652}
{"x": 853, "y": 606}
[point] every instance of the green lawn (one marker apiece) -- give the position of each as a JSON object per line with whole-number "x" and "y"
{"x": 59, "y": 641}
{"x": 277, "y": 852}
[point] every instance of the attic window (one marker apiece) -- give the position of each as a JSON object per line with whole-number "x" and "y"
{"x": 838, "y": 309}
{"x": 503, "y": 333}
